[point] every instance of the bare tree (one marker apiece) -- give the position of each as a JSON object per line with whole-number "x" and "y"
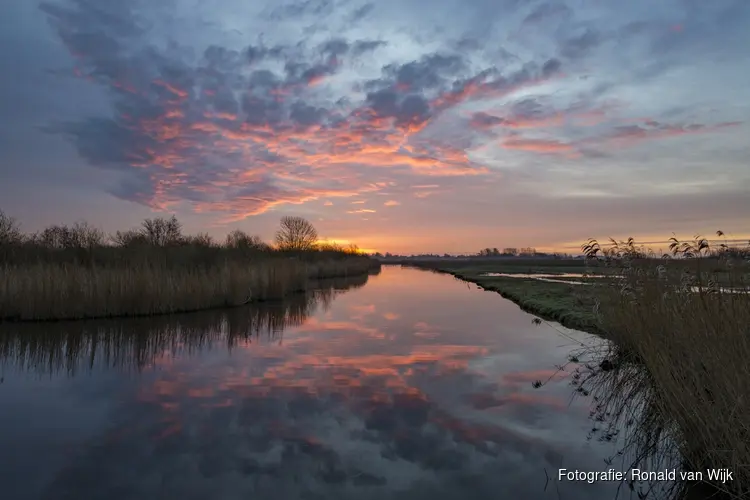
{"x": 162, "y": 232}
{"x": 296, "y": 233}
{"x": 200, "y": 240}
{"x": 10, "y": 231}
{"x": 128, "y": 238}
{"x": 80, "y": 235}
{"x": 241, "y": 240}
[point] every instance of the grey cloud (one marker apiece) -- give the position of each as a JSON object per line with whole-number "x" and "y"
{"x": 361, "y": 12}
{"x": 580, "y": 46}
{"x": 338, "y": 47}
{"x": 117, "y": 18}
{"x": 224, "y": 101}
{"x": 301, "y": 9}
{"x": 414, "y": 110}
{"x": 383, "y": 102}
{"x": 263, "y": 78}
{"x": 257, "y": 53}
{"x": 261, "y": 111}
{"x": 426, "y": 73}
{"x": 406, "y": 110}
{"x": 528, "y": 107}
{"x": 220, "y": 58}
{"x": 483, "y": 120}
{"x": 363, "y": 46}
{"x": 551, "y": 67}
{"x": 548, "y": 11}
{"x": 335, "y": 47}
{"x": 306, "y": 115}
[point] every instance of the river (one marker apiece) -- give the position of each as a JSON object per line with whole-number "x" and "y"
{"x": 413, "y": 385}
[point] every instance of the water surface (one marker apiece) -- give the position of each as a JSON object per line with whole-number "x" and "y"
{"x": 412, "y": 386}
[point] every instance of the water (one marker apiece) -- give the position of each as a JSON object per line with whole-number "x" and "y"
{"x": 412, "y": 386}
{"x": 552, "y": 278}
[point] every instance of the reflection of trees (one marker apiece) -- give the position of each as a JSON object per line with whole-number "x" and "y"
{"x": 138, "y": 342}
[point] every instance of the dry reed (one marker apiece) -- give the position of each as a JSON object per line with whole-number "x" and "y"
{"x": 675, "y": 366}
{"x": 46, "y": 291}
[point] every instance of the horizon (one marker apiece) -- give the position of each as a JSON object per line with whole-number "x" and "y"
{"x": 382, "y": 124}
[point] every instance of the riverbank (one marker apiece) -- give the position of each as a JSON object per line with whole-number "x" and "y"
{"x": 52, "y": 291}
{"x": 560, "y": 302}
{"x": 672, "y": 373}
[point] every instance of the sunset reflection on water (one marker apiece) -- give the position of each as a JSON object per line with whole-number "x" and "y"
{"x": 410, "y": 386}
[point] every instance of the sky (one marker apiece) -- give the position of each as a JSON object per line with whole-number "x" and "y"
{"x": 404, "y": 126}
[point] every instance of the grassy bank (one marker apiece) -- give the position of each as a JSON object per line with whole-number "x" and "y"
{"x": 561, "y": 302}
{"x": 76, "y": 272}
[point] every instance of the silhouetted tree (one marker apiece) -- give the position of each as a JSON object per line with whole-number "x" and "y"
{"x": 162, "y": 232}
{"x": 241, "y": 240}
{"x": 128, "y": 238}
{"x": 200, "y": 240}
{"x": 10, "y": 230}
{"x": 80, "y": 235}
{"x": 296, "y": 233}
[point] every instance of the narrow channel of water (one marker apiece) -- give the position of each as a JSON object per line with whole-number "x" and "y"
{"x": 412, "y": 386}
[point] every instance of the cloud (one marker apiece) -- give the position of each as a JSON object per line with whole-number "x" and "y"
{"x": 236, "y": 112}
{"x": 542, "y": 146}
{"x": 225, "y": 134}
{"x": 631, "y": 134}
{"x": 391, "y": 203}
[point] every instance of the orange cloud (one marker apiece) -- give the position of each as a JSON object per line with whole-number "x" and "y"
{"x": 391, "y": 203}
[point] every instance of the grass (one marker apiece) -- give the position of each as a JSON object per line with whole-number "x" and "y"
{"x": 66, "y": 273}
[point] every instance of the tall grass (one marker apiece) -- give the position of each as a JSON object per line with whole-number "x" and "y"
{"x": 676, "y": 364}
{"x": 76, "y": 272}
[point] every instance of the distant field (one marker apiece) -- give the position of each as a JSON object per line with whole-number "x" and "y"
{"x": 510, "y": 265}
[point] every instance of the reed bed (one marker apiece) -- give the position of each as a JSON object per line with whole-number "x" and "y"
{"x": 77, "y": 273}
{"x": 675, "y": 369}
{"x": 46, "y": 291}
{"x": 73, "y": 346}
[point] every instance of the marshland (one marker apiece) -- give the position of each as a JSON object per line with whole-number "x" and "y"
{"x": 77, "y": 271}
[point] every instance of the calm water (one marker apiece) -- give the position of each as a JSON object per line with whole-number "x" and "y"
{"x": 412, "y": 386}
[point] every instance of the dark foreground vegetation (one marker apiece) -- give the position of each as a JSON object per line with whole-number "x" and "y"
{"x": 76, "y": 272}
{"x": 673, "y": 369}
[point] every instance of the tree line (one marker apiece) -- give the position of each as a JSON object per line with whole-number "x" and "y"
{"x": 158, "y": 235}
